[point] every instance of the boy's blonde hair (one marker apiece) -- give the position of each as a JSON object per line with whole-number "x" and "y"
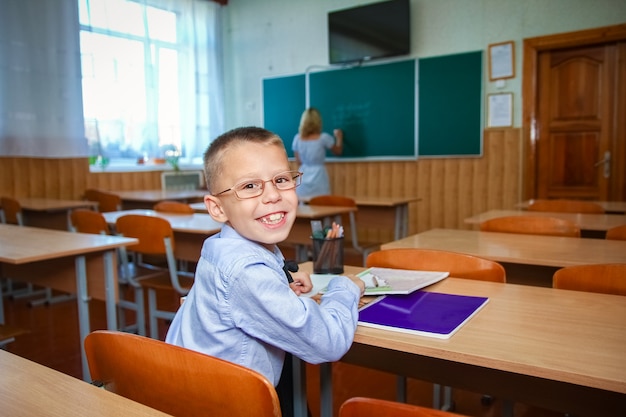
{"x": 215, "y": 153}
{"x": 310, "y": 122}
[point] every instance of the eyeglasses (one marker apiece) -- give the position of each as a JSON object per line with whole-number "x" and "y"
{"x": 287, "y": 180}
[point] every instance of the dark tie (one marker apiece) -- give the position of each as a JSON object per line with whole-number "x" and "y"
{"x": 289, "y": 267}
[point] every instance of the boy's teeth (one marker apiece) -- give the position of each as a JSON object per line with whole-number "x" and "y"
{"x": 272, "y": 218}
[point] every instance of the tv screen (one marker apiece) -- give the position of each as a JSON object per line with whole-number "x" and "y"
{"x": 367, "y": 32}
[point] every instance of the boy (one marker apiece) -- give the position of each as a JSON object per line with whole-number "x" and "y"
{"x": 241, "y": 307}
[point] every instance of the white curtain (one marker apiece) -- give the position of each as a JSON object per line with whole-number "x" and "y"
{"x": 40, "y": 79}
{"x": 41, "y": 99}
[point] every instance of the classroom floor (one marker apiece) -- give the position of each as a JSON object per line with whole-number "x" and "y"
{"x": 54, "y": 342}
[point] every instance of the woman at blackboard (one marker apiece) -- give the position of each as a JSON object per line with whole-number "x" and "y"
{"x": 309, "y": 148}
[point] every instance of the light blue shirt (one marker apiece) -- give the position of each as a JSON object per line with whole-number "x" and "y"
{"x": 242, "y": 309}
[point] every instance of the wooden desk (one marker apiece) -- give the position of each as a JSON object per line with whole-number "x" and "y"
{"x": 557, "y": 349}
{"x": 517, "y": 248}
{"x": 611, "y": 207}
{"x": 76, "y": 263}
{"x": 190, "y": 230}
{"x": 586, "y": 222}
{"x": 572, "y": 362}
{"x": 385, "y": 213}
{"x": 51, "y": 213}
{"x": 30, "y": 389}
{"x": 300, "y": 234}
{"x": 146, "y": 199}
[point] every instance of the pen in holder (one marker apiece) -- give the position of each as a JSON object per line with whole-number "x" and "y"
{"x": 328, "y": 251}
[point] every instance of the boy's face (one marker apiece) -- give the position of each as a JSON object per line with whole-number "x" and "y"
{"x": 266, "y": 219}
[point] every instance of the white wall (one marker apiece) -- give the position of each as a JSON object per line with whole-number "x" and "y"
{"x": 269, "y": 38}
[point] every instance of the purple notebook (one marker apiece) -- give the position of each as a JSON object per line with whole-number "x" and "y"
{"x": 423, "y": 313}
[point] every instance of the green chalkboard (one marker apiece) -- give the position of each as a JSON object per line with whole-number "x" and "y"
{"x": 450, "y": 105}
{"x": 283, "y": 103}
{"x": 375, "y": 105}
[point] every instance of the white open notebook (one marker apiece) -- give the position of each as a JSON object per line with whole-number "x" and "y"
{"x": 381, "y": 281}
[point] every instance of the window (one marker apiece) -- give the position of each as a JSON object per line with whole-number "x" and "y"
{"x": 142, "y": 78}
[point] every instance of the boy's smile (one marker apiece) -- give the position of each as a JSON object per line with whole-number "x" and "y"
{"x": 266, "y": 219}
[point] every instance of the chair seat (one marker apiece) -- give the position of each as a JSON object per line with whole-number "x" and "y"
{"x": 162, "y": 281}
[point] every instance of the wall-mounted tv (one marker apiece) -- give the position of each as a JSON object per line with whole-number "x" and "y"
{"x": 372, "y": 31}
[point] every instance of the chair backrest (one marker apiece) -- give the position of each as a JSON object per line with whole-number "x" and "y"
{"x": 89, "y": 221}
{"x": 616, "y": 233}
{"x": 173, "y": 207}
{"x": 156, "y": 237}
{"x": 365, "y": 407}
{"x": 566, "y": 206}
{"x": 175, "y": 380}
{"x": 602, "y": 278}
{"x": 348, "y": 219}
{"x": 151, "y": 231}
{"x": 12, "y": 211}
{"x": 532, "y": 225}
{"x": 459, "y": 265}
{"x": 106, "y": 201}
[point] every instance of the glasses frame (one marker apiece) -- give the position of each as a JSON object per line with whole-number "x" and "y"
{"x": 296, "y": 176}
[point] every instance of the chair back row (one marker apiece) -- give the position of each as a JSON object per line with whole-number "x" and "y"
{"x": 106, "y": 201}
{"x": 459, "y": 265}
{"x": 538, "y": 225}
{"x": 600, "y": 278}
{"x": 11, "y": 211}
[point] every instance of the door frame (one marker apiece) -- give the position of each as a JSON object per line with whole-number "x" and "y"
{"x": 532, "y": 48}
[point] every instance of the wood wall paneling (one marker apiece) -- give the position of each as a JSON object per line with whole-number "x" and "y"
{"x": 450, "y": 189}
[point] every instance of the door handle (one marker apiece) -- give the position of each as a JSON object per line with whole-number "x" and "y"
{"x": 607, "y": 164}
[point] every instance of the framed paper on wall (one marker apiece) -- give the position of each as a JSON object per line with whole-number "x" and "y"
{"x": 501, "y": 60}
{"x": 500, "y": 110}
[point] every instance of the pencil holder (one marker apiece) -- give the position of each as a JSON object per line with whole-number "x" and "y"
{"x": 328, "y": 255}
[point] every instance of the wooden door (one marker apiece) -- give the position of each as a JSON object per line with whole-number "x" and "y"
{"x": 575, "y": 108}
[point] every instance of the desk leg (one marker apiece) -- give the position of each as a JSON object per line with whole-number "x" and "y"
{"x": 83, "y": 311}
{"x": 109, "y": 286}
{"x": 326, "y": 390}
{"x": 299, "y": 388}
{"x": 402, "y": 221}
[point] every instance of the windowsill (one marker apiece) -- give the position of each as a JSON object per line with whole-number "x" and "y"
{"x": 130, "y": 167}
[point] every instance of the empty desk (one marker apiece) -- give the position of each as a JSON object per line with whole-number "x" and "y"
{"x": 76, "y": 263}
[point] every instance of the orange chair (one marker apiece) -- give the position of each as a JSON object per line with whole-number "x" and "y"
{"x": 616, "y": 233}
{"x": 106, "y": 201}
{"x": 173, "y": 207}
{"x": 156, "y": 238}
{"x": 601, "y": 278}
{"x": 566, "y": 206}
{"x": 365, "y": 407}
{"x": 12, "y": 210}
{"x": 175, "y": 380}
{"x": 532, "y": 225}
{"x": 349, "y": 222}
{"x": 459, "y": 265}
{"x": 89, "y": 221}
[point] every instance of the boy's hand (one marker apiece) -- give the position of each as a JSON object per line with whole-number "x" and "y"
{"x": 301, "y": 282}
{"x": 358, "y": 281}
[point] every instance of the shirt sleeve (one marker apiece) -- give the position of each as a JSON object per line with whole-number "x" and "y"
{"x": 328, "y": 140}
{"x": 270, "y": 311}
